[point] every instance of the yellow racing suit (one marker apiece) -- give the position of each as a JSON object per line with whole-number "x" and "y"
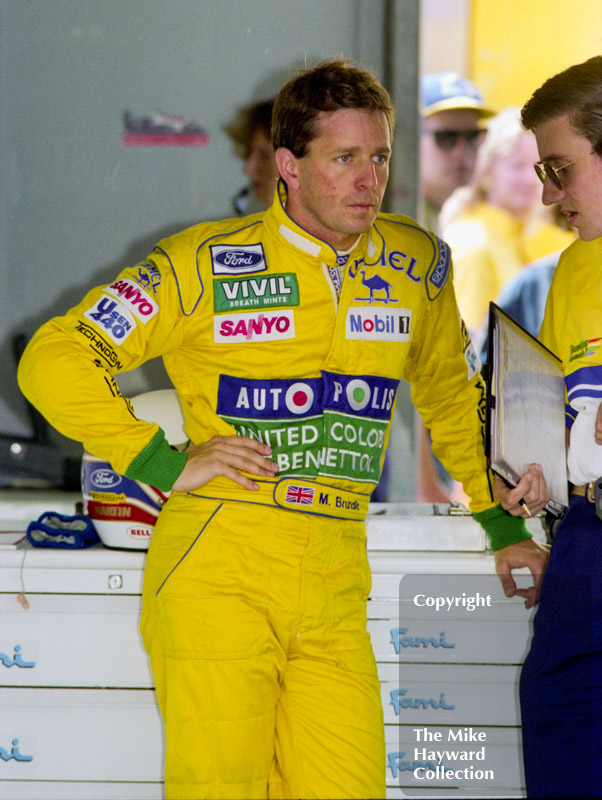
{"x": 254, "y": 610}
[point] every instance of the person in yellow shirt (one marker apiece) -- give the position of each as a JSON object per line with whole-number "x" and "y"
{"x": 495, "y": 225}
{"x": 561, "y": 679}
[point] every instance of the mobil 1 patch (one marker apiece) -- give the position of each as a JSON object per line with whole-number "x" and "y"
{"x": 379, "y": 324}
{"x": 280, "y": 289}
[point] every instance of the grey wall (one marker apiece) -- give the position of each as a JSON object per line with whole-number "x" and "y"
{"x": 75, "y": 204}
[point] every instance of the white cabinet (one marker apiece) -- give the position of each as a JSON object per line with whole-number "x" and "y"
{"x": 83, "y": 735}
{"x": 68, "y": 640}
{"x": 78, "y": 718}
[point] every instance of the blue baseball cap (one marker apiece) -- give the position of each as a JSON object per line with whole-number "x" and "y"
{"x": 446, "y": 91}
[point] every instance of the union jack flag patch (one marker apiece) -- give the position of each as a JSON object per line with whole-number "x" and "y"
{"x": 300, "y": 495}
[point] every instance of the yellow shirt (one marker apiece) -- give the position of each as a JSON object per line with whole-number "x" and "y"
{"x": 489, "y": 246}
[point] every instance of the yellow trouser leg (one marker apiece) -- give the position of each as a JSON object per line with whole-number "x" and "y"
{"x": 255, "y": 622}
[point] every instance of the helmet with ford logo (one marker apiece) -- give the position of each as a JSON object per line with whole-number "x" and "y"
{"x": 124, "y": 511}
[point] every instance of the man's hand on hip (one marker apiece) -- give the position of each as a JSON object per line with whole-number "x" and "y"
{"x": 228, "y": 457}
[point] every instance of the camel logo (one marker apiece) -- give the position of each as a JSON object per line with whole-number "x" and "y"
{"x": 149, "y": 277}
{"x": 376, "y": 284}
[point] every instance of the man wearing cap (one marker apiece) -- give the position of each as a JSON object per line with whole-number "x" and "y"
{"x": 452, "y": 111}
{"x": 452, "y": 114}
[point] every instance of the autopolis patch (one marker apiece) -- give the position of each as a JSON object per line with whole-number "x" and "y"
{"x": 334, "y": 425}
{"x": 228, "y": 260}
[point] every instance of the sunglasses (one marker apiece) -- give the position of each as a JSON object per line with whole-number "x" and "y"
{"x": 447, "y": 140}
{"x": 545, "y": 170}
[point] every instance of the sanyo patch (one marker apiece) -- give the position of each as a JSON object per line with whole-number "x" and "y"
{"x": 254, "y": 327}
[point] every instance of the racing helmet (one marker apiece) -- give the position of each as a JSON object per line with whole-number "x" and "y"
{"x": 122, "y": 510}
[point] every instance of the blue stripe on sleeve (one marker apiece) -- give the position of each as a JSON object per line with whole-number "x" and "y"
{"x": 584, "y": 382}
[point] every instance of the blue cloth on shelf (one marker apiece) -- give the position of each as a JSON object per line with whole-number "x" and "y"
{"x": 52, "y": 529}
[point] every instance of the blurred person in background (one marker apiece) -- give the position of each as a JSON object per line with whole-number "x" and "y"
{"x": 452, "y": 116}
{"x": 524, "y": 298}
{"x": 495, "y": 225}
{"x": 250, "y": 131}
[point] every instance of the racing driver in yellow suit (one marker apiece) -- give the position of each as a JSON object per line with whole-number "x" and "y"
{"x": 286, "y": 335}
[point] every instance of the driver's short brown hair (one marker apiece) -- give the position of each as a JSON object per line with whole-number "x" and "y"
{"x": 331, "y": 85}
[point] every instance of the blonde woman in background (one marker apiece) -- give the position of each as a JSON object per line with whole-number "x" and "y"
{"x": 495, "y": 224}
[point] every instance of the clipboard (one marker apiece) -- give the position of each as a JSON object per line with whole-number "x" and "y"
{"x": 525, "y": 407}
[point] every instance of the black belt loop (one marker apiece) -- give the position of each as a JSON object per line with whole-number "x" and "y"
{"x": 551, "y": 523}
{"x": 597, "y": 497}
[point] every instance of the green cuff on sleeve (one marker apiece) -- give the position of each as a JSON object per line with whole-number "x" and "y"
{"x": 502, "y": 528}
{"x": 158, "y": 464}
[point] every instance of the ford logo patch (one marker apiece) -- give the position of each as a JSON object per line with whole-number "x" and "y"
{"x": 238, "y": 259}
{"x": 245, "y": 258}
{"x": 105, "y": 478}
